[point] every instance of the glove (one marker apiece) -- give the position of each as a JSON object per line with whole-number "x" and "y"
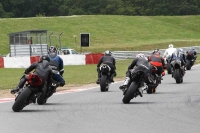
{"x": 97, "y": 69}
{"x": 61, "y": 73}
{"x": 25, "y": 72}
{"x": 115, "y": 74}
{"x": 163, "y": 73}
{"x": 57, "y": 84}
{"x": 165, "y": 67}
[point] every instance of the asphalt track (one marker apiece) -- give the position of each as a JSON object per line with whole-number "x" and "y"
{"x": 174, "y": 108}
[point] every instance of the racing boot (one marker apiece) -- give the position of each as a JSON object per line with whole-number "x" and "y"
{"x": 141, "y": 88}
{"x": 13, "y": 91}
{"x": 140, "y": 91}
{"x": 20, "y": 85}
{"x": 123, "y": 87}
{"x": 111, "y": 79}
{"x": 98, "y": 81}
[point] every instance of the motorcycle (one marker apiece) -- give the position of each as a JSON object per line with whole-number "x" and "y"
{"x": 105, "y": 77}
{"x": 135, "y": 87}
{"x": 177, "y": 71}
{"x": 189, "y": 61}
{"x": 157, "y": 80}
{"x": 29, "y": 92}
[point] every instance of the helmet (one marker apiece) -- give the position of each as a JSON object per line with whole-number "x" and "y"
{"x": 107, "y": 52}
{"x": 52, "y": 49}
{"x": 170, "y": 46}
{"x": 178, "y": 53}
{"x": 140, "y": 55}
{"x": 44, "y": 57}
{"x": 181, "y": 51}
{"x": 192, "y": 48}
{"x": 156, "y": 51}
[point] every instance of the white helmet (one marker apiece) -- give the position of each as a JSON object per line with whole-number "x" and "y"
{"x": 140, "y": 55}
{"x": 170, "y": 46}
{"x": 108, "y": 53}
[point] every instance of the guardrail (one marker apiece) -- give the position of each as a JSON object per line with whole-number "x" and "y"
{"x": 119, "y": 55}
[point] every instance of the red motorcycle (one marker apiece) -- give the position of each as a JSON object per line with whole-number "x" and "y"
{"x": 29, "y": 93}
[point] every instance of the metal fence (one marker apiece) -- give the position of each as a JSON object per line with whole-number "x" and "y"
{"x": 119, "y": 55}
{"x": 28, "y": 50}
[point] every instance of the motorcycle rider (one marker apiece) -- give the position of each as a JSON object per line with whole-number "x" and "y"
{"x": 192, "y": 52}
{"x": 56, "y": 64}
{"x": 178, "y": 54}
{"x": 183, "y": 55}
{"x": 157, "y": 61}
{"x": 138, "y": 64}
{"x": 168, "y": 52}
{"x": 110, "y": 61}
{"x": 42, "y": 70}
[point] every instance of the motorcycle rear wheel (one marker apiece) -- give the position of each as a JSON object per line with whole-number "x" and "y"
{"x": 103, "y": 83}
{"x": 188, "y": 66}
{"x": 21, "y": 99}
{"x": 130, "y": 93}
{"x": 177, "y": 75}
{"x": 169, "y": 71}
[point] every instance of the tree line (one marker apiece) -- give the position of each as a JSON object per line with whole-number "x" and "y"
{"x": 34, "y": 8}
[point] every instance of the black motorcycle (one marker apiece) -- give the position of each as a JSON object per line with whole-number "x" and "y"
{"x": 28, "y": 93}
{"x": 136, "y": 86}
{"x": 189, "y": 61}
{"x": 152, "y": 86}
{"x": 177, "y": 71}
{"x": 105, "y": 77}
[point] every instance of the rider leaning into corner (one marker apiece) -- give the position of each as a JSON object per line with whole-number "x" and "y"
{"x": 141, "y": 64}
{"x": 41, "y": 69}
{"x": 178, "y": 55}
{"x": 110, "y": 61}
{"x": 56, "y": 63}
{"x": 168, "y": 52}
{"x": 157, "y": 61}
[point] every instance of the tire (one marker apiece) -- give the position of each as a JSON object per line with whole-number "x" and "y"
{"x": 130, "y": 93}
{"x": 103, "y": 84}
{"x": 169, "y": 71}
{"x": 149, "y": 90}
{"x": 188, "y": 66}
{"x": 154, "y": 90}
{"x": 41, "y": 100}
{"x": 177, "y": 76}
{"x": 21, "y": 99}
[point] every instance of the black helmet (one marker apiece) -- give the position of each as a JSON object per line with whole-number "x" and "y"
{"x": 44, "y": 57}
{"x": 156, "y": 51}
{"x": 192, "y": 48}
{"x": 52, "y": 49}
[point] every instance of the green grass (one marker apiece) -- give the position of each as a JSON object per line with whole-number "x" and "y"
{"x": 110, "y": 31}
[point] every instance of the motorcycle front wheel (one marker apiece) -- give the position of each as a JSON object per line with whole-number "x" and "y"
{"x": 21, "y": 99}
